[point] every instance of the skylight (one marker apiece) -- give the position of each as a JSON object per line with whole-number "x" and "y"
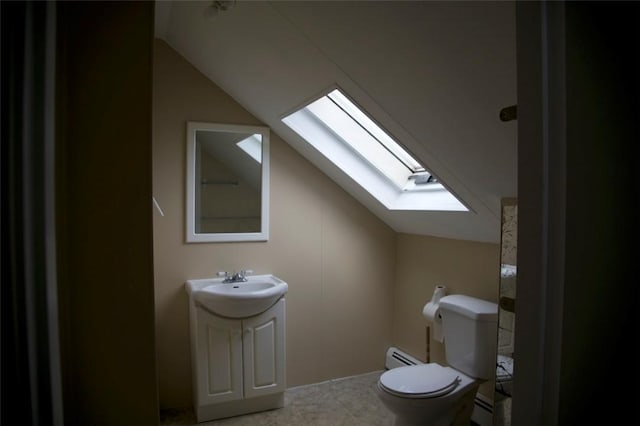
{"x": 252, "y": 146}
{"x": 346, "y": 135}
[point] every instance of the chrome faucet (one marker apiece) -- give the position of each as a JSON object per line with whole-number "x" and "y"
{"x": 235, "y": 277}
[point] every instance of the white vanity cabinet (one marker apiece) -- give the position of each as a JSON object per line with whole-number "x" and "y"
{"x": 239, "y": 363}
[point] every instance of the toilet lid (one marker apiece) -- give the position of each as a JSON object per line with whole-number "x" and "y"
{"x": 420, "y": 381}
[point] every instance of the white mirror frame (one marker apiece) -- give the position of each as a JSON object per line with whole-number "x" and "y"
{"x": 191, "y": 235}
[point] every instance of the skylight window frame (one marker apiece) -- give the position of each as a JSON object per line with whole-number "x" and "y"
{"x": 431, "y": 195}
{"x": 368, "y": 139}
{"x": 377, "y": 132}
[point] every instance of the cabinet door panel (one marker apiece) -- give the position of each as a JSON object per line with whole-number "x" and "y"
{"x": 219, "y": 358}
{"x": 264, "y": 340}
{"x": 264, "y": 357}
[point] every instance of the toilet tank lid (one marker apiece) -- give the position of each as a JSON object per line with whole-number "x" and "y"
{"x": 476, "y": 309}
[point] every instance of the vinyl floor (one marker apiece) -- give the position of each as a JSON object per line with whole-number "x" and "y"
{"x": 350, "y": 401}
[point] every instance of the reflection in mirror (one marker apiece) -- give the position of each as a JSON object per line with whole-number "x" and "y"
{"x": 506, "y": 312}
{"x": 227, "y": 182}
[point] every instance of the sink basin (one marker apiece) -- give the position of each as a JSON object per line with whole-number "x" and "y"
{"x": 238, "y": 299}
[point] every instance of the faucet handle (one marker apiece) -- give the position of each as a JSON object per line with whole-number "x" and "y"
{"x": 246, "y": 272}
{"x": 222, "y": 274}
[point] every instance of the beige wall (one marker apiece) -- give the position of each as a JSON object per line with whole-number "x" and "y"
{"x": 424, "y": 262}
{"x": 337, "y": 257}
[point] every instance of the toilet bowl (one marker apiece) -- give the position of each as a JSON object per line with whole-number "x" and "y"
{"x": 428, "y": 394}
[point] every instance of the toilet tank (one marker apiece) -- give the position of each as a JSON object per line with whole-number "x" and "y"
{"x": 469, "y": 326}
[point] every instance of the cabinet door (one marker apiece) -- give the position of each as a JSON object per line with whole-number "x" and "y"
{"x": 264, "y": 352}
{"x": 219, "y": 358}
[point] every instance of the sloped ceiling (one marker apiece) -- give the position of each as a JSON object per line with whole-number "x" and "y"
{"x": 434, "y": 74}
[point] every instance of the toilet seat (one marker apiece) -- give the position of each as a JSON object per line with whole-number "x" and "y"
{"x": 420, "y": 381}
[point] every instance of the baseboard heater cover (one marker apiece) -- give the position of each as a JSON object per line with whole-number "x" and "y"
{"x": 482, "y": 411}
{"x": 483, "y": 407}
{"x": 397, "y": 358}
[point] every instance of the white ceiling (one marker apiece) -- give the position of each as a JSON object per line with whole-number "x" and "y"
{"x": 434, "y": 74}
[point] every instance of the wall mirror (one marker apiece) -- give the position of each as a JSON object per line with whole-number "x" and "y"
{"x": 227, "y": 183}
{"x": 506, "y": 312}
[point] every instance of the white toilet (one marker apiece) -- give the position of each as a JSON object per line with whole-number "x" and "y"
{"x": 434, "y": 395}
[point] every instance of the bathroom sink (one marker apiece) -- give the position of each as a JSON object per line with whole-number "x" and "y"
{"x": 237, "y": 299}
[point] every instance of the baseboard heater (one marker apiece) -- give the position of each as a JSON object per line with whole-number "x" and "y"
{"x": 483, "y": 408}
{"x": 482, "y": 411}
{"x": 397, "y": 358}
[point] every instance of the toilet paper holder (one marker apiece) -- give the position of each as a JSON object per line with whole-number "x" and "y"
{"x": 431, "y": 312}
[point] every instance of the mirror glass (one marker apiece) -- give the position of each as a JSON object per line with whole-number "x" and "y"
{"x": 227, "y": 182}
{"x": 506, "y": 312}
